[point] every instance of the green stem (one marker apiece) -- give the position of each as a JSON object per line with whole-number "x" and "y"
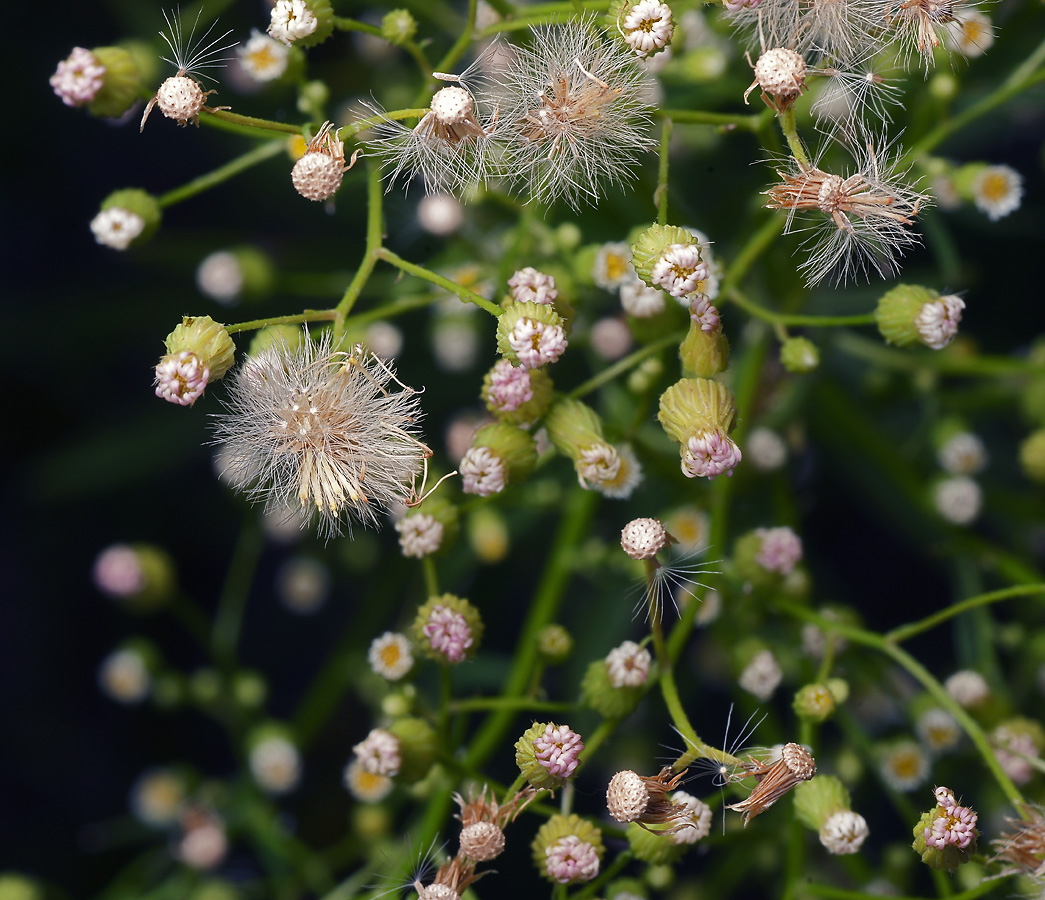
{"x": 925, "y": 678}
{"x": 431, "y": 576}
{"x": 463, "y": 41}
{"x": 756, "y": 245}
{"x": 476, "y": 704}
{"x": 790, "y": 131}
{"x": 462, "y": 292}
{"x": 222, "y": 173}
{"x": 768, "y": 315}
{"x": 342, "y": 23}
{"x": 661, "y": 194}
{"x": 234, "y": 595}
{"x": 942, "y": 361}
{"x": 903, "y": 632}
{"x": 540, "y": 14}
{"x": 752, "y": 123}
{"x": 309, "y": 315}
{"x": 374, "y": 236}
{"x": 624, "y": 364}
{"x": 352, "y": 129}
{"x": 250, "y": 123}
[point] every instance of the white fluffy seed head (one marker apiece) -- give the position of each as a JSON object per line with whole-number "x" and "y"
{"x": 627, "y": 796}
{"x": 781, "y": 73}
{"x": 180, "y": 98}
{"x": 643, "y": 538}
{"x": 482, "y": 841}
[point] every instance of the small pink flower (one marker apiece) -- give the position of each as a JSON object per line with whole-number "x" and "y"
{"x": 957, "y": 826}
{"x": 536, "y": 344}
{"x": 181, "y": 378}
{"x": 680, "y": 270}
{"x": 78, "y": 78}
{"x": 378, "y": 753}
{"x": 710, "y": 454}
{"x": 530, "y": 285}
{"x": 509, "y": 387}
{"x": 558, "y": 749}
{"x": 704, "y": 314}
{"x": 937, "y": 323}
{"x": 570, "y": 859}
{"x": 482, "y": 472}
{"x": 781, "y": 549}
{"x": 448, "y": 632}
{"x": 118, "y": 572}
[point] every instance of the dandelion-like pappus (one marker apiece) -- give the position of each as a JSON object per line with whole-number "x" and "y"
{"x": 316, "y": 428}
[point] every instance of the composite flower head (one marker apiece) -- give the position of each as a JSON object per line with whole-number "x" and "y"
{"x": 575, "y": 113}
{"x": 568, "y": 850}
{"x": 448, "y": 628}
{"x": 317, "y": 429}
{"x": 317, "y": 174}
{"x": 945, "y": 836}
{"x": 547, "y": 754}
{"x": 263, "y": 58}
{"x": 483, "y": 821}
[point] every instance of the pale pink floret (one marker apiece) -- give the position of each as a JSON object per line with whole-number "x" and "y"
{"x": 378, "y": 753}
{"x": 78, "y": 78}
{"x": 781, "y": 549}
{"x": 533, "y": 286}
{"x": 628, "y": 665}
{"x": 704, "y": 314}
{"x": 956, "y": 826}
{"x": 448, "y": 633}
{"x": 710, "y": 454}
{"x": 937, "y": 323}
{"x": 118, "y": 572}
{"x": 536, "y": 344}
{"x": 181, "y": 378}
{"x": 558, "y": 749}
{"x": 571, "y": 859}
{"x": 509, "y": 387}
{"x": 679, "y": 270}
{"x": 482, "y": 472}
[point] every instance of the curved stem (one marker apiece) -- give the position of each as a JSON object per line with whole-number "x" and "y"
{"x": 913, "y": 360}
{"x": 739, "y": 121}
{"x": 353, "y": 128}
{"x": 661, "y": 194}
{"x": 623, "y": 365}
{"x": 309, "y": 315}
{"x": 374, "y": 236}
{"x": 250, "y": 123}
{"x": 775, "y": 318}
{"x": 462, "y": 292}
{"x": 903, "y": 632}
{"x": 222, "y": 173}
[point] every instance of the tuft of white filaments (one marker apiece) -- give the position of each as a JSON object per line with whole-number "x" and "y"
{"x": 575, "y": 113}
{"x": 316, "y": 429}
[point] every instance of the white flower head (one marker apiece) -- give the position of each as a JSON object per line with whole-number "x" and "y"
{"x": 938, "y": 730}
{"x": 621, "y": 485}
{"x": 575, "y": 113}
{"x": 761, "y": 676}
{"x": 647, "y": 26}
{"x": 958, "y": 499}
{"x": 303, "y": 584}
{"x": 765, "y": 449}
{"x": 628, "y": 665}
{"x": 641, "y": 301}
{"x": 220, "y": 277}
{"x": 697, "y": 816}
{"x": 937, "y": 321}
{"x": 263, "y": 58}
{"x": 904, "y": 765}
{"x": 997, "y": 191}
{"x": 124, "y": 677}
{"x": 117, "y": 227}
{"x": 390, "y": 655}
{"x": 275, "y": 764}
{"x": 963, "y": 453}
{"x": 365, "y": 786}
{"x": 482, "y": 472}
{"x": 612, "y": 267}
{"x": 971, "y": 35}
{"x": 597, "y": 465}
{"x": 968, "y": 688}
{"x": 78, "y": 78}
{"x": 292, "y": 20}
{"x": 317, "y": 429}
{"x": 379, "y": 753}
{"x": 157, "y": 797}
{"x": 440, "y": 214}
{"x": 844, "y": 832}
{"x": 420, "y": 535}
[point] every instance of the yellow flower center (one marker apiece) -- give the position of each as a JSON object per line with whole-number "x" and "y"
{"x": 390, "y": 655}
{"x": 616, "y": 266}
{"x": 263, "y": 58}
{"x": 994, "y": 187}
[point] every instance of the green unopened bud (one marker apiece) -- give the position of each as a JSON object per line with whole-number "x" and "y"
{"x": 627, "y": 889}
{"x": 122, "y": 84}
{"x": 1032, "y": 456}
{"x": 530, "y": 334}
{"x": 839, "y": 689}
{"x": 818, "y": 799}
{"x": 652, "y": 244}
{"x": 911, "y": 314}
{"x": 205, "y": 686}
{"x": 1032, "y": 401}
{"x": 814, "y": 702}
{"x": 695, "y": 405}
{"x": 448, "y": 628}
{"x": 249, "y": 689}
{"x": 554, "y": 644}
{"x": 573, "y": 427}
{"x": 488, "y": 534}
{"x": 137, "y": 203}
{"x": 799, "y": 355}
{"x": 214, "y": 889}
{"x": 417, "y": 747}
{"x": 506, "y": 387}
{"x": 514, "y": 447}
{"x": 703, "y": 353}
{"x": 598, "y": 692}
{"x": 207, "y": 340}
{"x": 568, "y": 849}
{"x": 398, "y": 27}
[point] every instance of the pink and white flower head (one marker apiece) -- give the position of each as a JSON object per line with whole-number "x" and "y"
{"x": 570, "y": 859}
{"x": 761, "y": 676}
{"x": 597, "y": 464}
{"x": 641, "y": 301}
{"x": 291, "y": 21}
{"x": 781, "y": 550}
{"x": 610, "y": 338}
{"x": 448, "y": 633}
{"x": 955, "y": 826}
{"x": 509, "y": 387}
{"x": 628, "y": 665}
{"x": 1013, "y": 749}
{"x": 378, "y": 753}
{"x": 844, "y": 832}
{"x": 680, "y": 270}
{"x": 482, "y": 472}
{"x": 118, "y": 572}
{"x": 648, "y": 26}
{"x": 536, "y": 344}
{"x": 710, "y": 454}
{"x": 78, "y": 78}
{"x": 117, "y": 227}
{"x": 558, "y": 750}
{"x": 531, "y": 285}
{"x": 968, "y": 688}
{"x": 420, "y": 535}
{"x": 697, "y": 815}
{"x": 181, "y": 378}
{"x": 937, "y": 323}
{"x": 704, "y": 314}
{"x": 204, "y": 843}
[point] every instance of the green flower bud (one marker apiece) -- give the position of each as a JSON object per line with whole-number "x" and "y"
{"x": 488, "y": 535}
{"x": 568, "y": 836}
{"x": 516, "y": 449}
{"x": 205, "y": 686}
{"x": 448, "y": 629}
{"x": 140, "y": 203}
{"x": 703, "y": 354}
{"x": 814, "y": 702}
{"x": 548, "y": 340}
{"x": 911, "y": 314}
{"x": 695, "y": 405}
{"x": 651, "y": 847}
{"x": 14, "y": 886}
{"x": 207, "y": 340}
{"x": 122, "y": 84}
{"x": 398, "y": 27}
{"x": 504, "y": 387}
{"x": 1032, "y": 456}
{"x": 554, "y": 644}
{"x": 626, "y": 887}
{"x": 1032, "y": 401}
{"x": 249, "y": 689}
{"x": 839, "y": 689}
{"x": 799, "y": 355}
{"x": 547, "y": 754}
{"x": 818, "y": 799}
{"x": 598, "y": 693}
{"x": 651, "y": 245}
{"x": 417, "y": 747}
{"x": 573, "y": 427}
{"x": 214, "y": 889}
